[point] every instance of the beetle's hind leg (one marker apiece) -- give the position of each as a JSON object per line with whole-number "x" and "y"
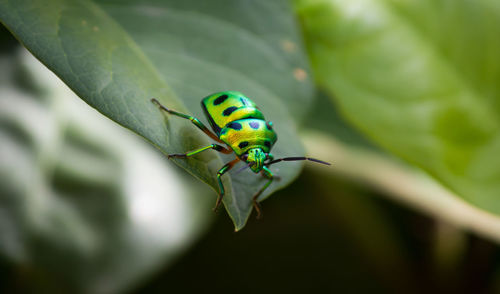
{"x": 193, "y": 119}
{"x": 255, "y": 199}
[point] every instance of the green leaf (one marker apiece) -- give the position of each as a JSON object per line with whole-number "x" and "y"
{"x": 117, "y": 55}
{"x": 85, "y": 206}
{"x": 420, "y": 78}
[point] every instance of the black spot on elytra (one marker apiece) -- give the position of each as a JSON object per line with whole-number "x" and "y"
{"x": 267, "y": 144}
{"x": 229, "y": 110}
{"x": 234, "y": 126}
{"x": 220, "y": 99}
{"x": 243, "y": 144}
{"x": 254, "y": 125}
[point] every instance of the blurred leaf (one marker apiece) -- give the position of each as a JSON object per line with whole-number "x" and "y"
{"x": 420, "y": 77}
{"x": 327, "y": 119}
{"x": 85, "y": 206}
{"x": 116, "y": 55}
{"x": 401, "y": 183}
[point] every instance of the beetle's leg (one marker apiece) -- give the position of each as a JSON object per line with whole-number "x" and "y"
{"x": 193, "y": 119}
{"x": 270, "y": 157}
{"x": 268, "y": 174}
{"x": 275, "y": 177}
{"x": 191, "y": 153}
{"x": 222, "y": 171}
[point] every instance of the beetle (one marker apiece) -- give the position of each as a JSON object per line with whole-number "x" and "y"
{"x": 239, "y": 124}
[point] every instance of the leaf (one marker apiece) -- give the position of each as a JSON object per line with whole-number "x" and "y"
{"x": 327, "y": 119}
{"x": 420, "y": 78}
{"x": 117, "y": 55}
{"x": 84, "y": 205}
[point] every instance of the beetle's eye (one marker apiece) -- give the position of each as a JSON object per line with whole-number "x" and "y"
{"x": 269, "y": 125}
{"x": 244, "y": 157}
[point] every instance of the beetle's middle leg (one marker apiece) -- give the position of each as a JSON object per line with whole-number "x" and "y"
{"x": 193, "y": 119}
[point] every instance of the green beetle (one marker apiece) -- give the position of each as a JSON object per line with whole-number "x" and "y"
{"x": 239, "y": 124}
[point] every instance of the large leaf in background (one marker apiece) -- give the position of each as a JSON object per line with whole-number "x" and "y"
{"x": 116, "y": 55}
{"x": 420, "y": 78}
{"x": 85, "y": 206}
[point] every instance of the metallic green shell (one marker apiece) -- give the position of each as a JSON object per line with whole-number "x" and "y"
{"x": 225, "y": 107}
{"x": 244, "y": 134}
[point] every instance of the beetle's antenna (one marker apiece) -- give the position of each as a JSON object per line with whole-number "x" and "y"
{"x": 296, "y": 159}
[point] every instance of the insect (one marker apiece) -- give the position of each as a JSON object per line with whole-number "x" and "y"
{"x": 238, "y": 124}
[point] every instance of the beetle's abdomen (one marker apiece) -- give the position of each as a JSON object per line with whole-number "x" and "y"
{"x": 245, "y": 134}
{"x": 225, "y": 107}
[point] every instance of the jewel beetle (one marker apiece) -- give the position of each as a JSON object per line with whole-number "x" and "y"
{"x": 239, "y": 124}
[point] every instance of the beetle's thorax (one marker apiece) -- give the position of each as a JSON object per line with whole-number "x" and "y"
{"x": 256, "y": 156}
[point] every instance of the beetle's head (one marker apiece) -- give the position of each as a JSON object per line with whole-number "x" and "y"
{"x": 255, "y": 157}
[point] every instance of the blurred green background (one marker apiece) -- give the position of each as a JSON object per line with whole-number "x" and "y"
{"x": 401, "y": 96}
